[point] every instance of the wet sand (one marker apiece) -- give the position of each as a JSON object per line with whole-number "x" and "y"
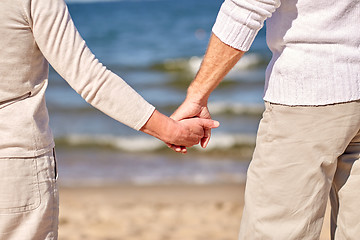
{"x": 166, "y": 212}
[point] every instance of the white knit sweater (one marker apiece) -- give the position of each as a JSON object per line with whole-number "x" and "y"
{"x": 315, "y": 46}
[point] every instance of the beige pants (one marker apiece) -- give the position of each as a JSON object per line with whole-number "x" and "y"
{"x": 302, "y": 154}
{"x": 28, "y": 198}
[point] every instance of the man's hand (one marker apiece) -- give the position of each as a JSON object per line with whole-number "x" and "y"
{"x": 191, "y": 131}
{"x": 218, "y": 61}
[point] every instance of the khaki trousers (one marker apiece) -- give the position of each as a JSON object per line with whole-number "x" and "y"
{"x": 302, "y": 154}
{"x": 28, "y": 198}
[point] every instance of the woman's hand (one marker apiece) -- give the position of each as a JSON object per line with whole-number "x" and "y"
{"x": 190, "y": 109}
{"x": 191, "y": 131}
{"x": 185, "y": 133}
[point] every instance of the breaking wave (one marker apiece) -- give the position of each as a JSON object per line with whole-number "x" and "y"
{"x": 218, "y": 108}
{"x": 247, "y": 62}
{"x": 221, "y": 141}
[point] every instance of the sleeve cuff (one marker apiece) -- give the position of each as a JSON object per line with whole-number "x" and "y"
{"x": 146, "y": 117}
{"x": 234, "y": 26}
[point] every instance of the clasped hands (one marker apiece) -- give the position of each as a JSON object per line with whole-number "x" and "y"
{"x": 192, "y": 110}
{"x": 189, "y": 125}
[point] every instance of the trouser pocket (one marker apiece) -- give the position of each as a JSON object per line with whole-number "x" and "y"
{"x": 19, "y": 185}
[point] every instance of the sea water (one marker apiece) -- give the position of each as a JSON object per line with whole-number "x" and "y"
{"x": 156, "y": 46}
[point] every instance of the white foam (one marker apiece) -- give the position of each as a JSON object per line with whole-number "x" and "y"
{"x": 148, "y": 144}
{"x": 235, "y": 108}
{"x": 129, "y": 144}
{"x": 226, "y": 141}
{"x": 248, "y": 61}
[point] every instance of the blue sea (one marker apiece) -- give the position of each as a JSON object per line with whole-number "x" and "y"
{"x": 157, "y": 47}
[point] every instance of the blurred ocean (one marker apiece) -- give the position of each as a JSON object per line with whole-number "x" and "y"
{"x": 157, "y": 47}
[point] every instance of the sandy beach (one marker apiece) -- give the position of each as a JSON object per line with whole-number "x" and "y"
{"x": 165, "y": 212}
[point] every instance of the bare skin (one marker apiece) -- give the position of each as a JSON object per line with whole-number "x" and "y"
{"x": 186, "y": 132}
{"x": 218, "y": 61}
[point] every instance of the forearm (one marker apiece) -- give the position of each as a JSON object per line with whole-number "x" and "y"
{"x": 218, "y": 61}
{"x": 237, "y": 25}
{"x": 63, "y": 47}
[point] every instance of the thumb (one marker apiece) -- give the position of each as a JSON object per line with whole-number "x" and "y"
{"x": 182, "y": 113}
{"x": 177, "y": 115}
{"x": 208, "y": 123}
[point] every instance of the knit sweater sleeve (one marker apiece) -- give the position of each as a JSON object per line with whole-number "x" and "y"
{"x": 239, "y": 21}
{"x": 64, "y": 48}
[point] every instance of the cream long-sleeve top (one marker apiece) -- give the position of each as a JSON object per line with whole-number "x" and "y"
{"x": 315, "y": 46}
{"x": 34, "y": 33}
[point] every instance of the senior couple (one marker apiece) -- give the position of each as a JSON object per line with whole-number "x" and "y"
{"x": 308, "y": 142}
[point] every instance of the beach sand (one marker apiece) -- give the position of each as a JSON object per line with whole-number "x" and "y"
{"x": 165, "y": 212}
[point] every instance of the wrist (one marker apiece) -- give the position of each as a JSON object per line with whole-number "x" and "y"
{"x": 195, "y": 95}
{"x": 159, "y": 126}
